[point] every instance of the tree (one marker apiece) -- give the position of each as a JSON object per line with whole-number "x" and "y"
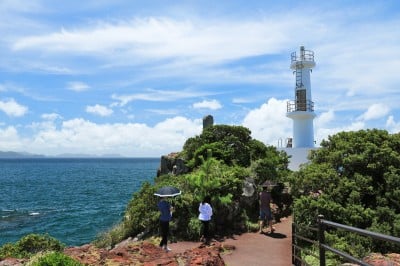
{"x": 231, "y": 144}
{"x": 354, "y": 179}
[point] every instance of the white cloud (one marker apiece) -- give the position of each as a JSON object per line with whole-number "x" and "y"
{"x": 51, "y": 116}
{"x": 241, "y": 100}
{"x": 131, "y": 139}
{"x": 375, "y": 111}
{"x": 164, "y": 111}
{"x": 77, "y": 86}
{"x": 212, "y": 105}
{"x": 10, "y": 140}
{"x": 324, "y": 118}
{"x": 155, "y": 38}
{"x": 269, "y": 123}
{"x": 12, "y": 108}
{"x": 158, "y": 96}
{"x": 99, "y": 110}
{"x": 324, "y": 132}
{"x": 392, "y": 126}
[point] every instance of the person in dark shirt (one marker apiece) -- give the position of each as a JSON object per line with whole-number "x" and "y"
{"x": 165, "y": 217}
{"x": 265, "y": 208}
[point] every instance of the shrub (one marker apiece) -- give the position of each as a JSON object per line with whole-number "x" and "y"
{"x": 10, "y": 250}
{"x": 29, "y": 245}
{"x": 53, "y": 259}
{"x": 34, "y": 243}
{"x": 194, "y": 228}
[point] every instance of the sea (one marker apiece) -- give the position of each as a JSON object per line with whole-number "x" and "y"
{"x": 71, "y": 199}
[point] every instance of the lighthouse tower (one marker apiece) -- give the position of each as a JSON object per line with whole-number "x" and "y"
{"x": 301, "y": 110}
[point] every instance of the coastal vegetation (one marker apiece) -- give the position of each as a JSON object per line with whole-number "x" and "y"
{"x": 221, "y": 159}
{"x": 29, "y": 245}
{"x": 353, "y": 179}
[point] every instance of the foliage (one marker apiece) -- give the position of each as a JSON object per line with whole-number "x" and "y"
{"x": 29, "y": 245}
{"x": 230, "y": 144}
{"x": 353, "y": 179}
{"x": 220, "y": 160}
{"x": 53, "y": 259}
{"x": 272, "y": 166}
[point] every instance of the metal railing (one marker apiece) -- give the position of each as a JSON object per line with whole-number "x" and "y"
{"x": 293, "y": 106}
{"x": 304, "y": 55}
{"x": 298, "y": 238}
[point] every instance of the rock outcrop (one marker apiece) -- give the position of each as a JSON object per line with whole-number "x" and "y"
{"x": 172, "y": 164}
{"x": 147, "y": 254}
{"x": 139, "y": 253}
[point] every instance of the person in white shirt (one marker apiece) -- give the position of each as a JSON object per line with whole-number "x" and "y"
{"x": 206, "y": 212}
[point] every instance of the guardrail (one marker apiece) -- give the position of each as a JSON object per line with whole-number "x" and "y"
{"x": 322, "y": 246}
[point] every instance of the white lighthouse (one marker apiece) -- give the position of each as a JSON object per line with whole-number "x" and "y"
{"x": 301, "y": 110}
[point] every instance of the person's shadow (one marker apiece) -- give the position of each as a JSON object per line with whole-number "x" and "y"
{"x": 275, "y": 235}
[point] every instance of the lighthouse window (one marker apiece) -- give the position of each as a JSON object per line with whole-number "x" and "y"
{"x": 301, "y": 103}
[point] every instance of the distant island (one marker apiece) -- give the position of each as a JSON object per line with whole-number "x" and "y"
{"x": 13, "y": 154}
{"x": 16, "y": 155}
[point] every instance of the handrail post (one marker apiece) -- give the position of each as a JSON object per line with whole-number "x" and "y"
{"x": 293, "y": 243}
{"x": 321, "y": 239}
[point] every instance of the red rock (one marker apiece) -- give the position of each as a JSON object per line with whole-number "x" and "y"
{"x": 377, "y": 259}
{"x": 13, "y": 262}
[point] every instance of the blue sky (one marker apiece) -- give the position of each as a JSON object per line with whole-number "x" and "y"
{"x": 136, "y": 78}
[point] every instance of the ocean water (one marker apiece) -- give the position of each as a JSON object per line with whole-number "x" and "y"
{"x": 72, "y": 200}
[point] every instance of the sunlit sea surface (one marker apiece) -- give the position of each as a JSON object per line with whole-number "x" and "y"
{"x": 72, "y": 200}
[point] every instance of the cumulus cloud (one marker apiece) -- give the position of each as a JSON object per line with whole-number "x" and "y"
{"x": 131, "y": 139}
{"x": 375, "y": 111}
{"x": 212, "y": 105}
{"x": 322, "y": 133}
{"x": 12, "y": 108}
{"x": 269, "y": 123}
{"x": 10, "y": 140}
{"x": 99, "y": 110}
{"x": 324, "y": 118}
{"x": 77, "y": 86}
{"x": 392, "y": 126}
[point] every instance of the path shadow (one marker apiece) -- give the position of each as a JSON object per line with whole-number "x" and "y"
{"x": 275, "y": 235}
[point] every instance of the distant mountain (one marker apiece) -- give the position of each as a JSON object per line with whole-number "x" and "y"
{"x": 13, "y": 154}
{"x": 78, "y": 155}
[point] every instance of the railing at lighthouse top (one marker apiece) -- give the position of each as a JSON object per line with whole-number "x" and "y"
{"x": 304, "y": 55}
{"x": 293, "y": 106}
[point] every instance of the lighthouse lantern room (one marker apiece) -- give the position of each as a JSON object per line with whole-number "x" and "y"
{"x": 301, "y": 110}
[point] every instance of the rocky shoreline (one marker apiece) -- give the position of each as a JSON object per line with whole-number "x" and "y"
{"x": 138, "y": 253}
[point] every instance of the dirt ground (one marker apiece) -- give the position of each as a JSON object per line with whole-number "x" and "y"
{"x": 255, "y": 249}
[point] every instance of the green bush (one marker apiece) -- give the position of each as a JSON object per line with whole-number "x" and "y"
{"x": 29, "y": 245}
{"x": 53, "y": 259}
{"x": 10, "y": 250}
{"x": 194, "y": 228}
{"x": 34, "y": 243}
{"x": 353, "y": 179}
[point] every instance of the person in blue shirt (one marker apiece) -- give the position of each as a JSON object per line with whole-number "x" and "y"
{"x": 165, "y": 217}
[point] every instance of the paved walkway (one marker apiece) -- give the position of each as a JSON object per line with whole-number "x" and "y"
{"x": 255, "y": 249}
